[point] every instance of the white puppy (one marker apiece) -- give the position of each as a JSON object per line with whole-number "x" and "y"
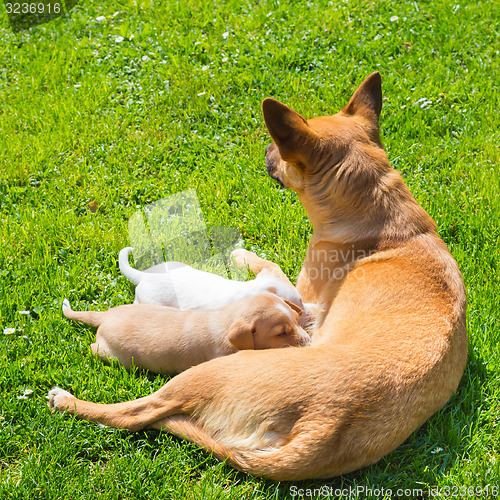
{"x": 179, "y": 285}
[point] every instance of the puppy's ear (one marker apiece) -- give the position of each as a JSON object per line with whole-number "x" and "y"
{"x": 367, "y": 100}
{"x": 241, "y": 335}
{"x": 294, "y": 307}
{"x": 289, "y": 130}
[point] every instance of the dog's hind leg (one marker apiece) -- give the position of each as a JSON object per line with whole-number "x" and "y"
{"x": 102, "y": 349}
{"x": 285, "y": 463}
{"x": 132, "y": 415}
{"x": 178, "y": 396}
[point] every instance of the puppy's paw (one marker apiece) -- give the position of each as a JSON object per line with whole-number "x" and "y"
{"x": 240, "y": 257}
{"x": 59, "y": 399}
{"x": 65, "y": 304}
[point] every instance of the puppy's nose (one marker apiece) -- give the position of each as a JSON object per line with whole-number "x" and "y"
{"x": 267, "y": 149}
{"x": 305, "y": 342}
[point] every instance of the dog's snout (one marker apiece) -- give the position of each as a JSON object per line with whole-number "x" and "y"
{"x": 267, "y": 149}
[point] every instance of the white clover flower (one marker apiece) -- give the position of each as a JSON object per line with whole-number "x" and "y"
{"x": 100, "y": 19}
{"x": 26, "y": 394}
{"x": 146, "y": 58}
{"x": 25, "y": 313}
{"x": 225, "y": 34}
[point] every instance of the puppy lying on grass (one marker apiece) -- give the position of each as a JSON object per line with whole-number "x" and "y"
{"x": 178, "y": 285}
{"x": 168, "y": 340}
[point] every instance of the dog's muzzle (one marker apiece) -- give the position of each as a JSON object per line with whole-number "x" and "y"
{"x": 271, "y": 171}
{"x": 271, "y": 151}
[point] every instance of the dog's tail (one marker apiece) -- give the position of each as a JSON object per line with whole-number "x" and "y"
{"x": 127, "y": 270}
{"x": 289, "y": 462}
{"x": 93, "y": 318}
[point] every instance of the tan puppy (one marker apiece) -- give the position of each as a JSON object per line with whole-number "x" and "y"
{"x": 388, "y": 352}
{"x": 166, "y": 340}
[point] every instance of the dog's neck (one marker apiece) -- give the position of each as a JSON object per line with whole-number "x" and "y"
{"x": 367, "y": 209}
{"x": 328, "y": 261}
{"x": 364, "y": 204}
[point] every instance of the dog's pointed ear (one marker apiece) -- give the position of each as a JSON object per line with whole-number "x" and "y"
{"x": 294, "y": 307}
{"x": 367, "y": 100}
{"x": 241, "y": 335}
{"x": 289, "y": 130}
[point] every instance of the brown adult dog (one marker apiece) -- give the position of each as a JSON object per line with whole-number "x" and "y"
{"x": 389, "y": 350}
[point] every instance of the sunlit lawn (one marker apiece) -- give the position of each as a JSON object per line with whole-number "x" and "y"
{"x": 160, "y": 97}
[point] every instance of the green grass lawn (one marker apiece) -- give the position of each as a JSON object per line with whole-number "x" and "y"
{"x": 165, "y": 96}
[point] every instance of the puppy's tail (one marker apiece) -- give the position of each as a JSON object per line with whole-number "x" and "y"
{"x": 93, "y": 318}
{"x": 127, "y": 270}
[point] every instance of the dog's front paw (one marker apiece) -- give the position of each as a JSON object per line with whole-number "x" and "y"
{"x": 59, "y": 399}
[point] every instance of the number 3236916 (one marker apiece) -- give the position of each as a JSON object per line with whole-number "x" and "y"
{"x": 33, "y": 8}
